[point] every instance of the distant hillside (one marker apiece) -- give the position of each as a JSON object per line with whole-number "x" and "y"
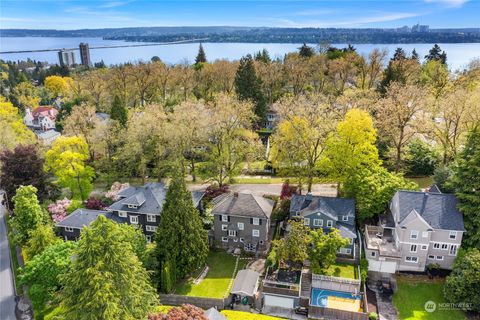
{"x": 264, "y": 35}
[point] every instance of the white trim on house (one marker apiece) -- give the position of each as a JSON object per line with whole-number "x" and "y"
{"x": 224, "y": 217}
{"x": 151, "y": 228}
{"x": 306, "y": 221}
{"x": 151, "y": 218}
{"x": 68, "y": 229}
{"x": 318, "y": 222}
{"x": 412, "y": 233}
{"x": 255, "y": 233}
{"x": 240, "y": 225}
{"x": 329, "y": 223}
{"x": 122, "y": 214}
{"x": 134, "y": 219}
{"x": 413, "y": 259}
{"x": 224, "y": 227}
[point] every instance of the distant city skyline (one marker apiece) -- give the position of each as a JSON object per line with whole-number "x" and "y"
{"x": 42, "y": 14}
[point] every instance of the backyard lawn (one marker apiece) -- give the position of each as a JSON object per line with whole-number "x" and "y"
{"x": 423, "y": 182}
{"x": 221, "y": 266}
{"x": 413, "y": 293}
{"x": 342, "y": 270}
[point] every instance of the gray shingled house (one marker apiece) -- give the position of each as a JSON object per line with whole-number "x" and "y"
{"x": 242, "y": 220}
{"x": 327, "y": 213}
{"x": 140, "y": 206}
{"x": 70, "y": 227}
{"x": 418, "y": 229}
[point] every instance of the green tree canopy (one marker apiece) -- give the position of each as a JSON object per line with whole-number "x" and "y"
{"x": 67, "y": 160}
{"x": 201, "y": 56}
{"x": 325, "y": 246}
{"x": 293, "y": 248}
{"x": 463, "y": 284}
{"x": 466, "y": 183}
{"x": 42, "y": 273}
{"x": 306, "y": 51}
{"x": 182, "y": 244}
{"x": 119, "y": 111}
{"x": 40, "y": 239}
{"x": 106, "y": 280}
{"x": 28, "y": 213}
{"x": 421, "y": 159}
{"x": 248, "y": 86}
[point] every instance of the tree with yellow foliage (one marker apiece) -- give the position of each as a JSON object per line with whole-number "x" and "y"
{"x": 12, "y": 129}
{"x": 57, "y": 86}
{"x": 66, "y": 159}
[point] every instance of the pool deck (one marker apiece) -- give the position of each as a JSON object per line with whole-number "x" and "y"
{"x": 335, "y": 300}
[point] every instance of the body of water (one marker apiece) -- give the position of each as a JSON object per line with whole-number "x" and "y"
{"x": 459, "y": 54}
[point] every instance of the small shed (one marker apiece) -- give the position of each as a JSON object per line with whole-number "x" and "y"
{"x": 245, "y": 286}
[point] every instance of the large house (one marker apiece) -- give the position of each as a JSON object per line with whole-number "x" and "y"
{"x": 138, "y": 206}
{"x": 242, "y": 220}
{"x": 327, "y": 213}
{"x": 41, "y": 118}
{"x": 418, "y": 230}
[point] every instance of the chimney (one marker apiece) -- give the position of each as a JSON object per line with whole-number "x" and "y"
{"x": 309, "y": 196}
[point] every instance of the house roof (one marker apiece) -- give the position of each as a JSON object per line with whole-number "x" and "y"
{"x": 243, "y": 204}
{"x": 347, "y": 231}
{"x": 434, "y": 189}
{"x": 214, "y": 314}
{"x": 149, "y": 198}
{"x": 439, "y": 210}
{"x": 83, "y": 217}
{"x": 245, "y": 282}
{"x": 332, "y": 207}
{"x": 47, "y": 135}
{"x": 45, "y": 111}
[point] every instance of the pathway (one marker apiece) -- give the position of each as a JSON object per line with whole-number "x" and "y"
{"x": 7, "y": 290}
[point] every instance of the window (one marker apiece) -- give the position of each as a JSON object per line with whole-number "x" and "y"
{"x": 132, "y": 206}
{"x": 134, "y": 219}
{"x": 424, "y": 247}
{"x": 151, "y": 228}
{"x": 431, "y": 257}
{"x": 424, "y": 234}
{"x": 344, "y": 218}
{"x": 241, "y": 226}
{"x": 261, "y": 242}
{"x": 235, "y": 240}
{"x": 373, "y": 254}
{"x": 329, "y": 223}
{"x": 318, "y": 222}
{"x": 232, "y": 233}
{"x": 224, "y": 227}
{"x": 413, "y": 248}
{"x": 148, "y": 238}
{"x": 411, "y": 259}
{"x": 224, "y": 239}
{"x": 436, "y": 245}
{"x": 242, "y": 240}
{"x": 224, "y": 218}
{"x": 444, "y": 246}
{"x": 122, "y": 214}
{"x": 68, "y": 229}
{"x": 452, "y": 235}
{"x": 255, "y": 233}
{"x": 256, "y": 221}
{"x": 350, "y": 240}
{"x": 349, "y": 251}
{"x": 453, "y": 250}
{"x": 151, "y": 218}
{"x": 414, "y": 234}
{"x": 306, "y": 221}
{"x": 439, "y": 257}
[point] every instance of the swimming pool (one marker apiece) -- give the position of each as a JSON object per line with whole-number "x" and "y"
{"x": 335, "y": 299}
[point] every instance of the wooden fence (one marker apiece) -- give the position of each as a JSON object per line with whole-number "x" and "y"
{"x": 201, "y": 302}
{"x": 316, "y": 312}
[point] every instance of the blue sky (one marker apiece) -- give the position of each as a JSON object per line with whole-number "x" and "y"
{"x": 40, "y": 14}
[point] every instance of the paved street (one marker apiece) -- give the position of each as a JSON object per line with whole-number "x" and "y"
{"x": 327, "y": 190}
{"x": 7, "y": 292}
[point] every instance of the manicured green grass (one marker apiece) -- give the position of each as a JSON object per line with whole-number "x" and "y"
{"x": 342, "y": 270}
{"x": 240, "y": 315}
{"x": 255, "y": 180}
{"x": 423, "y": 182}
{"x": 221, "y": 266}
{"x": 412, "y": 294}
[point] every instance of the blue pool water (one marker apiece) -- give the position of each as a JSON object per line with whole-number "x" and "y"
{"x": 320, "y": 296}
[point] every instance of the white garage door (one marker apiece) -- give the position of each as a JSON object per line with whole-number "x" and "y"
{"x": 382, "y": 266}
{"x": 276, "y": 301}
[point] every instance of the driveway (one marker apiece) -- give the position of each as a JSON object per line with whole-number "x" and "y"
{"x": 7, "y": 291}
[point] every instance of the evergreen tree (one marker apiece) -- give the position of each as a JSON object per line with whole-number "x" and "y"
{"x": 306, "y": 51}
{"x": 201, "y": 56}
{"x": 415, "y": 55}
{"x": 106, "y": 280}
{"x": 182, "y": 244}
{"x": 263, "y": 56}
{"x": 28, "y": 213}
{"x": 248, "y": 85}
{"x": 119, "y": 111}
{"x": 437, "y": 54}
{"x": 466, "y": 183}
{"x": 40, "y": 239}
{"x": 399, "y": 54}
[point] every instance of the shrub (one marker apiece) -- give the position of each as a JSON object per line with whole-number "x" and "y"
{"x": 373, "y": 316}
{"x": 213, "y": 191}
{"x": 95, "y": 204}
{"x": 58, "y": 210}
{"x": 115, "y": 189}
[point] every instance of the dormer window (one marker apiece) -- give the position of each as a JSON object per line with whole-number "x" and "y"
{"x": 132, "y": 206}
{"x": 414, "y": 234}
{"x": 344, "y": 218}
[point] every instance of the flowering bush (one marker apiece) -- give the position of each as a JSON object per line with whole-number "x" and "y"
{"x": 58, "y": 210}
{"x": 287, "y": 190}
{"x": 115, "y": 189}
{"x": 95, "y": 204}
{"x": 185, "y": 312}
